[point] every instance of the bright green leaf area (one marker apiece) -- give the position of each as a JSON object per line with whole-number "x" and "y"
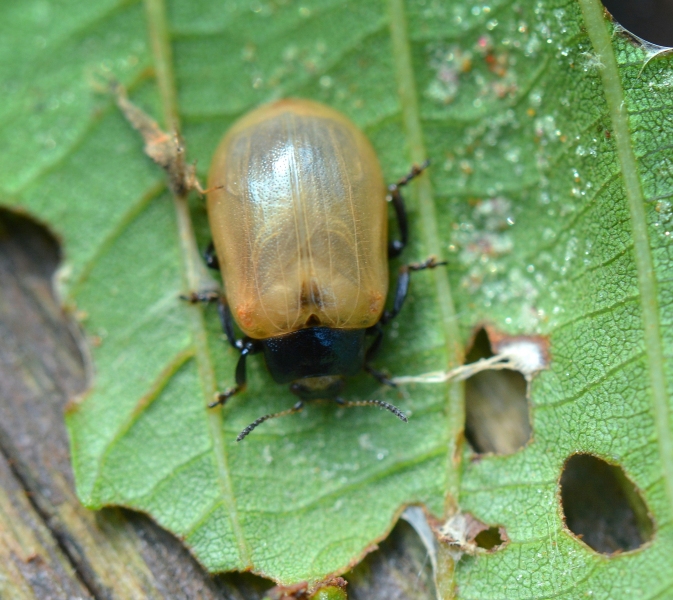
{"x": 550, "y": 194}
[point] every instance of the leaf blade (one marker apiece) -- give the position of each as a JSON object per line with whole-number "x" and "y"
{"x": 502, "y": 153}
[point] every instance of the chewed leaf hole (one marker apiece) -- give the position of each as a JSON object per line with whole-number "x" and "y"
{"x": 496, "y": 407}
{"x": 489, "y": 538}
{"x": 650, "y": 20}
{"x": 21, "y": 236}
{"x": 602, "y": 507}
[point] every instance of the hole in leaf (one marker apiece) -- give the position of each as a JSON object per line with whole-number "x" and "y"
{"x": 401, "y": 568}
{"x": 30, "y": 248}
{"x": 602, "y": 507}
{"x": 650, "y": 20}
{"x": 496, "y": 407}
{"x": 489, "y": 538}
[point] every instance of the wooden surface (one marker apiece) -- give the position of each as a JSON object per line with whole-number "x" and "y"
{"x": 50, "y": 546}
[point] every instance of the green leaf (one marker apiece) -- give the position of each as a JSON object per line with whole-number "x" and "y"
{"x": 550, "y": 194}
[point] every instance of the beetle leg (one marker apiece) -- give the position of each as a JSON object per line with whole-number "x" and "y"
{"x": 228, "y": 324}
{"x": 249, "y": 347}
{"x": 401, "y": 292}
{"x": 403, "y": 285}
{"x": 210, "y": 257}
{"x": 395, "y": 247}
{"x": 246, "y": 346}
{"x": 391, "y": 407}
{"x": 371, "y": 352}
{"x": 299, "y": 405}
{"x": 380, "y": 376}
{"x": 203, "y": 296}
{"x": 223, "y": 311}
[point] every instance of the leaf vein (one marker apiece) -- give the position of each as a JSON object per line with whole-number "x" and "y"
{"x": 406, "y": 86}
{"x": 145, "y": 401}
{"x": 193, "y": 275}
{"x": 590, "y": 385}
{"x": 614, "y": 94}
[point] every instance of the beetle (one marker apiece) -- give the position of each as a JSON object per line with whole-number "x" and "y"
{"x": 297, "y": 208}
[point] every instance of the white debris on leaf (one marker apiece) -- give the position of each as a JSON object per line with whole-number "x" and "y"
{"x": 460, "y": 532}
{"x": 526, "y": 356}
{"x": 518, "y": 354}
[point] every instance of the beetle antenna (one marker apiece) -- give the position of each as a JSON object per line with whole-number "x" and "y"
{"x": 391, "y": 407}
{"x": 296, "y": 408}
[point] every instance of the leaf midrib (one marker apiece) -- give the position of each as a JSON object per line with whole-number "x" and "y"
{"x": 161, "y": 51}
{"x": 412, "y": 121}
{"x": 593, "y": 13}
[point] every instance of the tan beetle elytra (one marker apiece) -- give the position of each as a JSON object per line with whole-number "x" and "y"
{"x": 298, "y": 211}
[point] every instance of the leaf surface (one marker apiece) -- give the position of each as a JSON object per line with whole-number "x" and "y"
{"x": 550, "y": 194}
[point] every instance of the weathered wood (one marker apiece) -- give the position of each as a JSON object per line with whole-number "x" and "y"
{"x": 32, "y": 565}
{"x": 52, "y": 547}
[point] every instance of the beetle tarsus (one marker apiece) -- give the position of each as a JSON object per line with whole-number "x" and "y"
{"x": 206, "y": 296}
{"x": 222, "y": 397}
{"x": 380, "y": 376}
{"x": 290, "y": 411}
{"x": 416, "y": 170}
{"x": 430, "y": 263}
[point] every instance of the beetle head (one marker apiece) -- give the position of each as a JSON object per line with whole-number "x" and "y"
{"x": 318, "y": 388}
